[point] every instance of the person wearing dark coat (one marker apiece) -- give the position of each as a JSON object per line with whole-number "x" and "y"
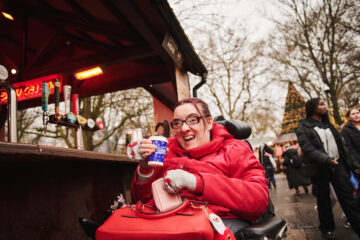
{"x": 293, "y": 169}
{"x": 351, "y": 135}
{"x": 269, "y": 166}
{"x": 329, "y": 162}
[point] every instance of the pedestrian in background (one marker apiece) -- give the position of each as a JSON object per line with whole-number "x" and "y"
{"x": 351, "y": 135}
{"x": 324, "y": 151}
{"x": 292, "y": 166}
{"x": 279, "y": 150}
{"x": 270, "y": 165}
{"x": 163, "y": 129}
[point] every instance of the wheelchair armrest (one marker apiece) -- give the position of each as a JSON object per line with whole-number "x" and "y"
{"x": 270, "y": 227}
{"x": 237, "y": 128}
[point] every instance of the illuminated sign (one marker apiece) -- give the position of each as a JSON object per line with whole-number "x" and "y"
{"x": 32, "y": 88}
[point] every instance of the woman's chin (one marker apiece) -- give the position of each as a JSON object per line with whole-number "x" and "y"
{"x": 188, "y": 145}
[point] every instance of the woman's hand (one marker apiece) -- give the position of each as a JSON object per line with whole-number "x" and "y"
{"x": 175, "y": 180}
{"x": 333, "y": 162}
{"x": 146, "y": 149}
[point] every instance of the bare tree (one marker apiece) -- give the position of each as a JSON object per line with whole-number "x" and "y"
{"x": 119, "y": 111}
{"x": 317, "y": 46}
{"x": 236, "y": 81}
{"x": 237, "y": 77}
{"x": 195, "y": 15}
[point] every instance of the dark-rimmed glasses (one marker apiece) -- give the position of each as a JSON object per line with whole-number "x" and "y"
{"x": 190, "y": 121}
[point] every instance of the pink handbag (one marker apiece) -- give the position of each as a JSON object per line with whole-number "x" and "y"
{"x": 164, "y": 201}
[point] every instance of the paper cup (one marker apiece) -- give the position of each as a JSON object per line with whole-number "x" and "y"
{"x": 133, "y": 151}
{"x": 157, "y": 158}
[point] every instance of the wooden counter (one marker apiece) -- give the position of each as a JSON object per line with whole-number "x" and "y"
{"x": 44, "y": 190}
{"x": 30, "y": 152}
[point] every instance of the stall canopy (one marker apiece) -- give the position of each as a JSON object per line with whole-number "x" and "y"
{"x": 136, "y": 43}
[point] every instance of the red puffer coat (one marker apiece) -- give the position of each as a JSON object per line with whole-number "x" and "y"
{"x": 234, "y": 181}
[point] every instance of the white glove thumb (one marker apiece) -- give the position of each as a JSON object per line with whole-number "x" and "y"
{"x": 175, "y": 180}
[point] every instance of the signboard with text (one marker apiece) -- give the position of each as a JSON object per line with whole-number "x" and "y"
{"x": 172, "y": 48}
{"x": 32, "y": 88}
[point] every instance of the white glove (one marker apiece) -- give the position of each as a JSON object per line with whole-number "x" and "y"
{"x": 175, "y": 180}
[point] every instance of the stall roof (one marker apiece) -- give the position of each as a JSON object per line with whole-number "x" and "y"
{"x": 288, "y": 137}
{"x": 125, "y": 38}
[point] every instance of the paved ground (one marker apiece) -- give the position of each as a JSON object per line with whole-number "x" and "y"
{"x": 299, "y": 213}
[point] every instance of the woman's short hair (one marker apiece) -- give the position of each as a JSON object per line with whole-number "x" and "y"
{"x": 204, "y": 111}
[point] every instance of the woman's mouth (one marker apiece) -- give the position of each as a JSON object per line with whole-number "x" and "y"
{"x": 188, "y": 138}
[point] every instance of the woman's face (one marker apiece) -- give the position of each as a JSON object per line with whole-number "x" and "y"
{"x": 321, "y": 108}
{"x": 195, "y": 135}
{"x": 354, "y": 115}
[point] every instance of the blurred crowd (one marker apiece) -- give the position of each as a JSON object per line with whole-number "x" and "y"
{"x": 326, "y": 158}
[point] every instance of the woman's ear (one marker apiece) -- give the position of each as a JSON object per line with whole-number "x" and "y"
{"x": 209, "y": 122}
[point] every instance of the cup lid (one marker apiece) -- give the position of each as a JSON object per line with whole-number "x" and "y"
{"x": 158, "y": 138}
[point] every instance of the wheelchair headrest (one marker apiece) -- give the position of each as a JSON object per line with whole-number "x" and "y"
{"x": 237, "y": 128}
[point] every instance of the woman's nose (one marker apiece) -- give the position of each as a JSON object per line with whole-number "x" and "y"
{"x": 184, "y": 127}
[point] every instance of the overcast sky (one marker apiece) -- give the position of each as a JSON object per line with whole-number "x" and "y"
{"x": 254, "y": 14}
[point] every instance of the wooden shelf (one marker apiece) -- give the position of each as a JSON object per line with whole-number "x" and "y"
{"x": 15, "y": 152}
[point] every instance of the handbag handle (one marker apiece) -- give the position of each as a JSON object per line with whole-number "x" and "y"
{"x": 140, "y": 206}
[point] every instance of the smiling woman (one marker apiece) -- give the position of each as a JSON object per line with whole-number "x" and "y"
{"x": 206, "y": 163}
{"x": 196, "y": 131}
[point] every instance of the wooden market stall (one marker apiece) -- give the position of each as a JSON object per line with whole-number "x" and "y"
{"x": 44, "y": 189}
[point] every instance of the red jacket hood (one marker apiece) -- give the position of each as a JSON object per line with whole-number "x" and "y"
{"x": 219, "y": 135}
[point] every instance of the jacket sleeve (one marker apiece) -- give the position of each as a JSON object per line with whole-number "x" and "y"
{"x": 142, "y": 191}
{"x": 243, "y": 189}
{"x": 309, "y": 149}
{"x": 353, "y": 155}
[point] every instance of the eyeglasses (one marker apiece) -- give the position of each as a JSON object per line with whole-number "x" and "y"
{"x": 190, "y": 121}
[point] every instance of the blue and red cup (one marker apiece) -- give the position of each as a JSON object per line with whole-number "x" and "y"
{"x": 157, "y": 158}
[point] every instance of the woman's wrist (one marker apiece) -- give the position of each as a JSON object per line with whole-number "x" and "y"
{"x": 144, "y": 164}
{"x": 145, "y": 172}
